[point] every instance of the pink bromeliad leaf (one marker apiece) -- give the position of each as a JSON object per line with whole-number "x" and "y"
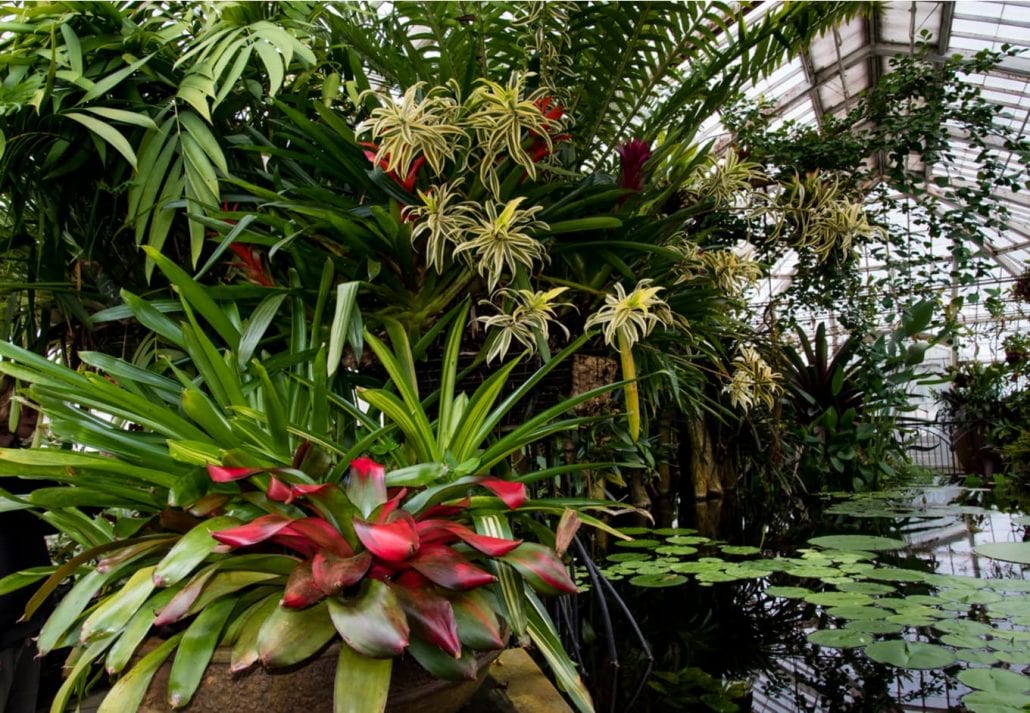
{"x": 448, "y": 510}
{"x": 319, "y": 532}
{"x": 512, "y": 493}
{"x": 301, "y": 588}
{"x": 259, "y": 530}
{"x": 182, "y": 601}
{"x": 225, "y": 474}
{"x": 366, "y": 486}
{"x": 444, "y": 566}
{"x": 393, "y": 541}
{"x": 333, "y": 573}
{"x": 280, "y": 491}
{"x": 541, "y": 567}
{"x": 446, "y": 531}
{"x": 391, "y": 505}
{"x": 429, "y": 613}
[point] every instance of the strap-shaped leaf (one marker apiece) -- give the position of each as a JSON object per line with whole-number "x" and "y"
{"x": 372, "y": 622}
{"x": 128, "y": 692}
{"x": 117, "y": 609}
{"x": 192, "y": 549}
{"x": 362, "y": 684}
{"x": 544, "y": 635}
{"x": 289, "y": 636}
{"x": 195, "y": 650}
{"x": 508, "y": 581}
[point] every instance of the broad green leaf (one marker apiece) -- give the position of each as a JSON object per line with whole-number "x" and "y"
{"x": 192, "y": 549}
{"x": 910, "y": 654}
{"x": 290, "y": 636}
{"x": 135, "y": 631}
{"x": 1018, "y": 552}
{"x": 361, "y": 684}
{"x": 371, "y": 622}
{"x": 125, "y": 117}
{"x": 346, "y": 297}
{"x": 105, "y": 85}
{"x": 118, "y": 608}
{"x": 127, "y": 694}
{"x": 195, "y": 650}
{"x": 256, "y": 326}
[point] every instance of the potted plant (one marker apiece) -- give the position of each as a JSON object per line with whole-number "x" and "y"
{"x": 223, "y": 497}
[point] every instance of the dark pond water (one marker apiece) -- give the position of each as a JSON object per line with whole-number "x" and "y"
{"x": 905, "y": 612}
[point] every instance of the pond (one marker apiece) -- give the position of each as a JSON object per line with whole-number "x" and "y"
{"x": 914, "y": 599}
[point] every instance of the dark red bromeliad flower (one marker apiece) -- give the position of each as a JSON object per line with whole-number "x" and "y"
{"x": 633, "y": 154}
{"x": 407, "y": 545}
{"x": 539, "y": 150}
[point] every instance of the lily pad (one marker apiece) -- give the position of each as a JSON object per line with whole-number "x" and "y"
{"x": 627, "y": 557}
{"x": 678, "y": 550}
{"x": 686, "y": 540}
{"x": 740, "y": 550}
{"x": 642, "y": 543}
{"x": 993, "y": 702}
{"x": 788, "y": 592}
{"x": 1016, "y": 607}
{"x": 694, "y": 567}
{"x": 988, "y": 658}
{"x": 970, "y": 596}
{"x": 866, "y": 588}
{"x": 910, "y": 619}
{"x": 813, "y": 571}
{"x": 858, "y": 542}
{"x": 717, "y": 576}
{"x": 895, "y": 574}
{"x": 967, "y": 627}
{"x": 840, "y": 638}
{"x": 1016, "y": 658}
{"x": 1018, "y": 552}
{"x": 910, "y": 654}
{"x": 964, "y": 641}
{"x": 666, "y": 531}
{"x": 658, "y": 580}
{"x": 995, "y": 680}
{"x": 875, "y": 626}
{"x": 862, "y": 613}
{"x": 839, "y": 599}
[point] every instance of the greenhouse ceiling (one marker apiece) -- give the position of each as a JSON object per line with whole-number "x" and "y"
{"x": 839, "y": 65}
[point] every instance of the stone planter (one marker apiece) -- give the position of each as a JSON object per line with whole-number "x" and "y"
{"x": 308, "y": 688}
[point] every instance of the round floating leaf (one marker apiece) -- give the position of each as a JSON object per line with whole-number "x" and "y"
{"x": 627, "y": 557}
{"x": 1015, "y": 607}
{"x": 657, "y": 580}
{"x": 686, "y": 540}
{"x": 857, "y": 567}
{"x": 966, "y": 627}
{"x": 866, "y": 587}
{"x": 990, "y": 702}
{"x": 988, "y": 658}
{"x": 955, "y": 581}
{"x": 754, "y": 569}
{"x": 643, "y": 543}
{"x": 875, "y": 626}
{"x": 740, "y": 550}
{"x": 995, "y": 680}
{"x": 910, "y": 654}
{"x": 857, "y": 542}
{"x": 895, "y": 574}
{"x": 1016, "y": 658}
{"x": 839, "y": 599}
{"x": 813, "y": 571}
{"x": 909, "y": 619}
{"x": 840, "y": 638}
{"x": 678, "y": 550}
{"x": 963, "y": 641}
{"x": 695, "y": 567}
{"x": 837, "y": 581}
{"x": 1018, "y": 552}
{"x": 925, "y": 599}
{"x": 862, "y": 613}
{"x": 970, "y": 596}
{"x": 788, "y": 592}
{"x": 903, "y": 606}
{"x": 717, "y": 576}
{"x": 1008, "y": 585}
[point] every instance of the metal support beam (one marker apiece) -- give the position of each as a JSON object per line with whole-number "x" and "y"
{"x": 813, "y": 89}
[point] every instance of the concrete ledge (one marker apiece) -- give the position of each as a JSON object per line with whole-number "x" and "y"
{"x": 516, "y": 684}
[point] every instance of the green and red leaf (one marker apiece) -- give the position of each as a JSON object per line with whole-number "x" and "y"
{"x": 366, "y": 486}
{"x": 393, "y": 541}
{"x": 478, "y": 627}
{"x": 448, "y": 568}
{"x": 512, "y": 493}
{"x": 301, "y": 588}
{"x": 260, "y": 529}
{"x": 541, "y": 567}
{"x": 429, "y": 613}
{"x": 447, "y": 531}
{"x": 333, "y": 573}
{"x": 372, "y": 623}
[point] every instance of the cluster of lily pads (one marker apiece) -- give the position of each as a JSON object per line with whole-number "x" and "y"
{"x": 977, "y": 629}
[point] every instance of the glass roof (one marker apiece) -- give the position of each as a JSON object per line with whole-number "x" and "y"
{"x": 841, "y": 64}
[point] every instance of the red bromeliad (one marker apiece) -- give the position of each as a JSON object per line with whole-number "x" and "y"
{"x": 408, "y": 182}
{"x": 360, "y": 541}
{"x": 541, "y": 149}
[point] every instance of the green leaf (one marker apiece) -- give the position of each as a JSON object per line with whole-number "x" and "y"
{"x": 868, "y": 543}
{"x": 125, "y": 117}
{"x": 18, "y": 580}
{"x": 108, "y": 133}
{"x": 117, "y": 609}
{"x": 361, "y": 684}
{"x": 127, "y": 694}
{"x": 195, "y": 650}
{"x": 1018, "y": 552}
{"x": 545, "y": 637}
{"x": 196, "y": 296}
{"x": 290, "y": 636}
{"x": 372, "y": 622}
{"x": 256, "y": 327}
{"x": 192, "y": 549}
{"x": 346, "y": 297}
{"x": 135, "y": 631}
{"x": 910, "y": 654}
{"x": 105, "y": 85}
{"x": 840, "y": 638}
